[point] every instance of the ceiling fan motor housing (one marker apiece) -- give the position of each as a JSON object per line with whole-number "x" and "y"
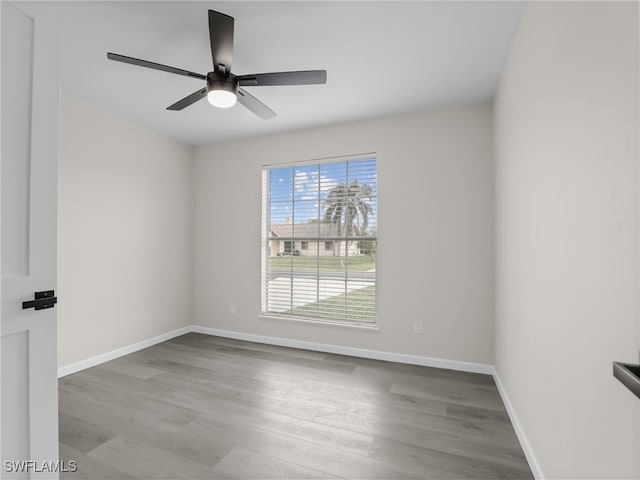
{"x": 217, "y": 81}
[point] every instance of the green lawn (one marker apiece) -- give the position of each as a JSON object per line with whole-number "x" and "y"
{"x": 359, "y": 263}
{"x": 361, "y": 306}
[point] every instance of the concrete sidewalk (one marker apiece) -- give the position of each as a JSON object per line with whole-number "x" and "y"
{"x": 308, "y": 290}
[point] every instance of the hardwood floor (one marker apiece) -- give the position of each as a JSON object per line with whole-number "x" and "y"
{"x": 209, "y": 407}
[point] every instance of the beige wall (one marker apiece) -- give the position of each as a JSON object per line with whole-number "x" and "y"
{"x": 567, "y": 235}
{"x": 124, "y": 233}
{"x": 435, "y": 183}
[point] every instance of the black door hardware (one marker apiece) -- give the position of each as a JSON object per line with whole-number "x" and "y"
{"x": 42, "y": 300}
{"x": 629, "y": 375}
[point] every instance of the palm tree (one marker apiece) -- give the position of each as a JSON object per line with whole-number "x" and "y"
{"x": 349, "y": 206}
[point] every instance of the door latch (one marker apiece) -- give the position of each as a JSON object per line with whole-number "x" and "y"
{"x": 41, "y": 300}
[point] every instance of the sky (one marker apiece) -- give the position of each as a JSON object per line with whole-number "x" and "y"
{"x": 299, "y": 192}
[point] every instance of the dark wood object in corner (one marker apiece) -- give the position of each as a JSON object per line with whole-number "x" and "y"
{"x": 629, "y": 375}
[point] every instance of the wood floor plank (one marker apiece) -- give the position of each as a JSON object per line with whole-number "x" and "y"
{"x": 200, "y": 358}
{"x": 382, "y": 367}
{"x": 110, "y": 414}
{"x": 421, "y": 375}
{"x": 82, "y": 435}
{"x": 199, "y": 406}
{"x": 121, "y": 382}
{"x": 428, "y": 463}
{"x": 381, "y": 385}
{"x": 247, "y": 464}
{"x": 325, "y": 458}
{"x": 233, "y": 385}
{"x": 85, "y": 382}
{"x": 233, "y": 360}
{"x": 126, "y": 367}
{"x": 478, "y": 414}
{"x": 144, "y": 461}
{"x": 287, "y": 359}
{"x": 264, "y": 419}
{"x": 187, "y": 442}
{"x": 87, "y": 468}
{"x": 454, "y": 392}
{"x": 358, "y": 395}
{"x": 149, "y": 425}
{"x": 210, "y": 340}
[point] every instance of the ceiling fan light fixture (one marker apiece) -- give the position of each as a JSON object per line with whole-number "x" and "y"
{"x": 222, "y": 91}
{"x": 222, "y": 98}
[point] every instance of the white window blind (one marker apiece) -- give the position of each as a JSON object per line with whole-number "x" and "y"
{"x": 319, "y": 240}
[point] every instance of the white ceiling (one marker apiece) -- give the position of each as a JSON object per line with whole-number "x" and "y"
{"x": 382, "y": 58}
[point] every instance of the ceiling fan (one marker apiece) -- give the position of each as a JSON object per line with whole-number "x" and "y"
{"x": 223, "y": 88}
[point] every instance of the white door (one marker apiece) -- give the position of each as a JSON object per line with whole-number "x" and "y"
{"x": 30, "y": 104}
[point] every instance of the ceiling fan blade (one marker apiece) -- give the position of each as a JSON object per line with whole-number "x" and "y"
{"x": 188, "y": 100}
{"x": 308, "y": 77}
{"x": 255, "y": 105}
{"x": 221, "y": 36}
{"x": 155, "y": 66}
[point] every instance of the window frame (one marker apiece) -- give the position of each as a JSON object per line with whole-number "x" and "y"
{"x": 265, "y": 245}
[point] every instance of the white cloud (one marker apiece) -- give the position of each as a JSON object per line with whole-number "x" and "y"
{"x": 301, "y": 181}
{"x": 327, "y": 183}
{"x": 309, "y": 184}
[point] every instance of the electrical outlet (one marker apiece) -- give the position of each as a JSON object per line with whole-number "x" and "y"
{"x": 233, "y": 309}
{"x": 417, "y": 327}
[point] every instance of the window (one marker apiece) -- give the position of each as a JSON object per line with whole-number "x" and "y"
{"x": 330, "y": 209}
{"x": 288, "y": 247}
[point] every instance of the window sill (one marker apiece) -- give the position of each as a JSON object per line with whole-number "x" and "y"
{"x": 330, "y": 323}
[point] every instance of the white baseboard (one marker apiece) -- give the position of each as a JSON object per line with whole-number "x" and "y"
{"x": 522, "y": 437}
{"x": 352, "y": 351}
{"x": 105, "y": 357}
